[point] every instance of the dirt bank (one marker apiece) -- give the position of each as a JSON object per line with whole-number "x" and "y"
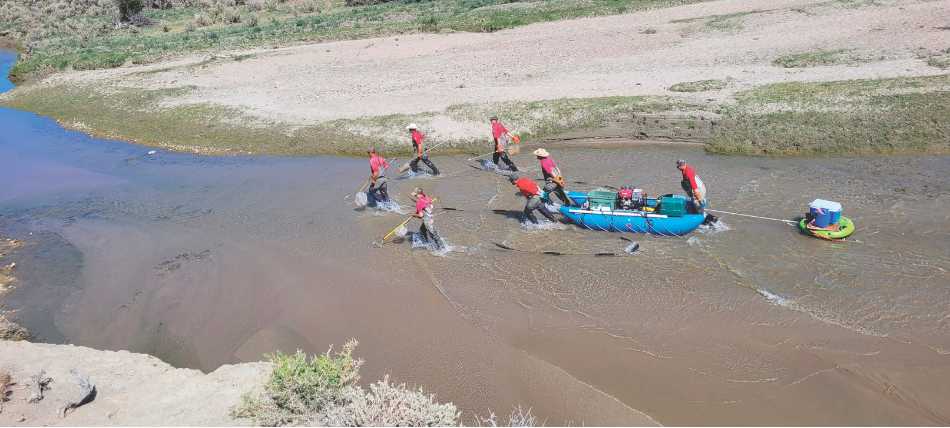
{"x": 9, "y": 330}
{"x": 131, "y": 389}
{"x": 349, "y": 93}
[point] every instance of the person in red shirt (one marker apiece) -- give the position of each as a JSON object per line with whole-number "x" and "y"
{"x": 417, "y": 141}
{"x": 502, "y": 137}
{"x": 424, "y": 207}
{"x": 553, "y": 180}
{"x": 693, "y": 185}
{"x": 530, "y": 190}
{"x": 377, "y": 177}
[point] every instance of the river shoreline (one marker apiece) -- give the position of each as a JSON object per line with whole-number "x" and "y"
{"x": 741, "y": 89}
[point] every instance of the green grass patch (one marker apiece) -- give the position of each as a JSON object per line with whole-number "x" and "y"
{"x": 137, "y": 116}
{"x": 725, "y": 22}
{"x": 903, "y": 115}
{"x": 820, "y": 58}
{"x": 699, "y": 86}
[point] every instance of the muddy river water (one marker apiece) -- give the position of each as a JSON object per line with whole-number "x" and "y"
{"x": 204, "y": 261}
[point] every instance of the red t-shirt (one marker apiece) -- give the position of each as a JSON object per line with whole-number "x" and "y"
{"x": 417, "y": 138}
{"x": 527, "y": 187}
{"x": 377, "y": 163}
{"x": 497, "y": 129}
{"x": 690, "y": 174}
{"x": 548, "y": 167}
{"x": 422, "y": 203}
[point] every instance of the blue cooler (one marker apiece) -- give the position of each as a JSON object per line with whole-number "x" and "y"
{"x": 825, "y": 212}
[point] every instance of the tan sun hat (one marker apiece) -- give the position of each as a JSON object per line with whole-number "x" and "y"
{"x": 416, "y": 192}
{"x": 541, "y": 153}
{"x": 412, "y": 126}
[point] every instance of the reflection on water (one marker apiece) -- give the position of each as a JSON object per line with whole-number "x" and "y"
{"x": 204, "y": 261}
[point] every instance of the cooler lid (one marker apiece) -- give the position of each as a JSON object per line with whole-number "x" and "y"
{"x": 825, "y": 205}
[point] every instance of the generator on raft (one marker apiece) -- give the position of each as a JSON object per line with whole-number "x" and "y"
{"x": 824, "y": 221}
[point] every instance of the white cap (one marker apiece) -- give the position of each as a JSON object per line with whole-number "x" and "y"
{"x": 412, "y": 126}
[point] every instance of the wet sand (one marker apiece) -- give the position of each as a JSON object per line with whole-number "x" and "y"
{"x": 203, "y": 261}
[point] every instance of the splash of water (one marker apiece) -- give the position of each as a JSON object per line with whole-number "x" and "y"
{"x": 390, "y": 206}
{"x": 543, "y": 225}
{"x": 715, "y": 227}
{"x": 417, "y": 241}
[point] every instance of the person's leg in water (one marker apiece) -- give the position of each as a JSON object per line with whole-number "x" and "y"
{"x": 534, "y": 204}
{"x": 425, "y": 159}
{"x": 381, "y": 190}
{"x": 528, "y": 213}
{"x": 553, "y": 188}
{"x": 495, "y": 158}
{"x": 511, "y": 165}
{"x": 432, "y": 235}
{"x": 414, "y": 165}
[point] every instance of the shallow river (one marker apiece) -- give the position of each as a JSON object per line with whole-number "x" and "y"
{"x": 204, "y": 261}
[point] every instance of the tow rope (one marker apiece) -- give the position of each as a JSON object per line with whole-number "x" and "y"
{"x": 554, "y": 253}
{"x": 753, "y": 216}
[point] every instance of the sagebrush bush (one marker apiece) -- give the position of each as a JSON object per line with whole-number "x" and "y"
{"x": 324, "y": 390}
{"x": 386, "y": 404}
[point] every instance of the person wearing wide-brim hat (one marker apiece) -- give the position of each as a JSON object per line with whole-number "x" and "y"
{"x": 424, "y": 207}
{"x": 553, "y": 180}
{"x": 418, "y": 139}
{"x": 502, "y": 137}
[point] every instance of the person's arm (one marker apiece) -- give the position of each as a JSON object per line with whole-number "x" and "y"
{"x": 374, "y": 176}
{"x": 692, "y": 181}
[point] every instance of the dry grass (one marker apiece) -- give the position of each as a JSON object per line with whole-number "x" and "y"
{"x": 821, "y": 58}
{"x": 323, "y": 390}
{"x": 700, "y": 86}
{"x": 901, "y": 115}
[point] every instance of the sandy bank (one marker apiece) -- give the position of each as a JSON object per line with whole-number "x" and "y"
{"x": 132, "y": 389}
{"x": 360, "y": 92}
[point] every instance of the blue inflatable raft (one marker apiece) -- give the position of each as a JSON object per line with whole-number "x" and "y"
{"x": 596, "y": 211}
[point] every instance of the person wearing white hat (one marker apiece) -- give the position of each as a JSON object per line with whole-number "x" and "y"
{"x": 501, "y": 136}
{"x": 417, "y": 141}
{"x": 553, "y": 180}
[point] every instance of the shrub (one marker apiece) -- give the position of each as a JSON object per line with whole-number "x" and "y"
{"x": 251, "y": 21}
{"x": 323, "y": 390}
{"x": 391, "y": 405}
{"x": 364, "y": 2}
{"x": 519, "y": 417}
{"x": 232, "y": 16}
{"x": 202, "y": 20}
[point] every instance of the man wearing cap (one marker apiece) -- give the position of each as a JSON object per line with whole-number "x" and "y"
{"x": 377, "y": 177}
{"x": 424, "y": 206}
{"x": 501, "y": 136}
{"x": 553, "y": 180}
{"x": 417, "y": 141}
{"x": 693, "y": 185}
{"x": 530, "y": 190}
